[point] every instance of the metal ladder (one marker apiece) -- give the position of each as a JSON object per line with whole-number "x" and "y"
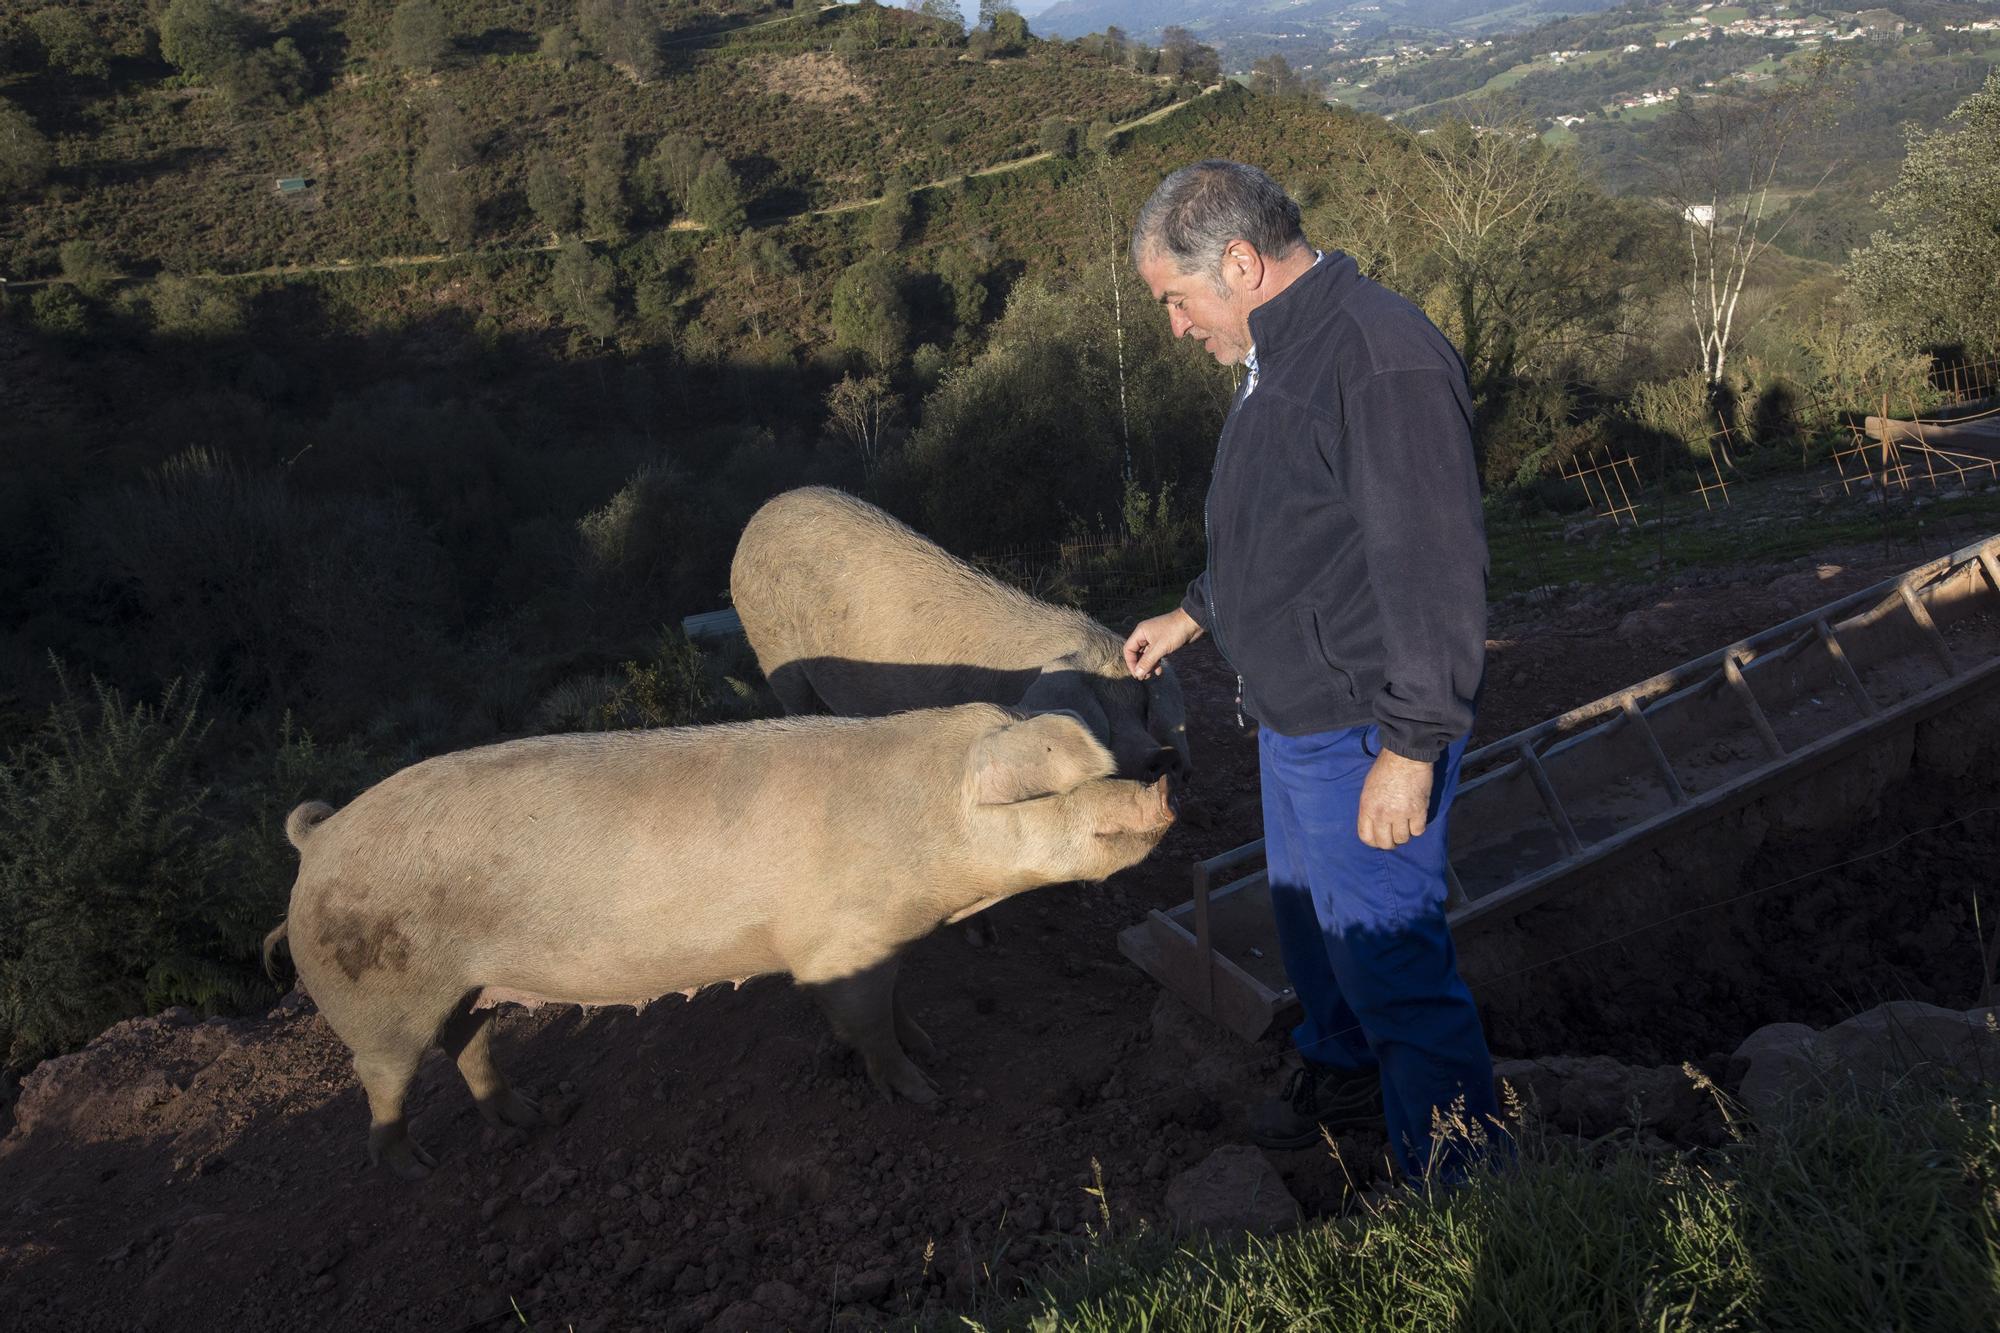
{"x": 1218, "y": 951}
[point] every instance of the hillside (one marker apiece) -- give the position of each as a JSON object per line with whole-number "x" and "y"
{"x": 1247, "y": 30}
{"x": 809, "y": 112}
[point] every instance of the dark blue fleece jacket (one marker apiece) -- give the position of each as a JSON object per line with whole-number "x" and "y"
{"x": 1346, "y": 578}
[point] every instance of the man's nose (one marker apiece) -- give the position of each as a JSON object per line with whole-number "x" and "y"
{"x": 1181, "y": 323}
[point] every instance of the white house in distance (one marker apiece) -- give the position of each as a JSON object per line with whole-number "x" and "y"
{"x": 1701, "y": 215}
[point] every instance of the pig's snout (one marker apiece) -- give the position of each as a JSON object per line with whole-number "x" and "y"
{"x": 1162, "y": 802}
{"x": 1166, "y": 762}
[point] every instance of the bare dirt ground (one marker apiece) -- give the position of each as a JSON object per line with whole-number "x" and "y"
{"x": 722, "y": 1163}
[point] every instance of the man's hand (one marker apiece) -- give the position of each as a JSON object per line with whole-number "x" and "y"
{"x": 1395, "y": 800}
{"x": 1150, "y": 642}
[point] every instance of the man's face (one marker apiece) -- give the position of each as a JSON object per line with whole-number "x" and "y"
{"x": 1220, "y": 320}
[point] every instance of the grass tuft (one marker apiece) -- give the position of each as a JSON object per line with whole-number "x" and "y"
{"x": 1852, "y": 1214}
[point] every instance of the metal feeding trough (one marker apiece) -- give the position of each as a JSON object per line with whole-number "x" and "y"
{"x": 1639, "y": 766}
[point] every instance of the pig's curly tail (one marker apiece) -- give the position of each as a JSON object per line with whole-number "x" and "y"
{"x": 304, "y": 820}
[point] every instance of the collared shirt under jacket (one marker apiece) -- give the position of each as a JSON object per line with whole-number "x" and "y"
{"x": 1346, "y": 577}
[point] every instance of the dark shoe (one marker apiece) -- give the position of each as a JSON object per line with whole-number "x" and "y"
{"x": 1317, "y": 1097}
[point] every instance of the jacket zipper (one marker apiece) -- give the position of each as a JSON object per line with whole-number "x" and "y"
{"x": 1208, "y": 540}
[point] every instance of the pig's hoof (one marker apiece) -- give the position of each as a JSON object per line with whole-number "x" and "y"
{"x": 407, "y": 1160}
{"x": 511, "y": 1110}
{"x": 915, "y": 1040}
{"x": 914, "y": 1085}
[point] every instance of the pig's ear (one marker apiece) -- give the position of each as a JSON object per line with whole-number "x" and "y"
{"x": 1037, "y": 756}
{"x": 1065, "y": 686}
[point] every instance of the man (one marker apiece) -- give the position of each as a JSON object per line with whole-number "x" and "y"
{"x": 1346, "y": 584}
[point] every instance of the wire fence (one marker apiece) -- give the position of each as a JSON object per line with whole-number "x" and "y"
{"x": 1892, "y": 448}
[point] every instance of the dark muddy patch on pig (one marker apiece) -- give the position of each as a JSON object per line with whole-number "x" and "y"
{"x": 363, "y": 943}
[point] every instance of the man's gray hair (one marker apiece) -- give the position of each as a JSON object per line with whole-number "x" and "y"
{"x": 1199, "y": 210}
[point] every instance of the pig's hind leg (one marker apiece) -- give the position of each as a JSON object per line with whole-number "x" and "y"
{"x": 863, "y": 1011}
{"x": 388, "y": 1045}
{"x": 467, "y": 1038}
{"x": 385, "y": 1068}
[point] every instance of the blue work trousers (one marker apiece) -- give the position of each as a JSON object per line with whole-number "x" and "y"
{"x": 1365, "y": 942}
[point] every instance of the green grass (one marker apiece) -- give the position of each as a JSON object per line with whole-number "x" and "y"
{"x": 1508, "y": 78}
{"x": 1850, "y": 1216}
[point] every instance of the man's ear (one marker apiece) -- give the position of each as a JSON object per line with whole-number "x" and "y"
{"x": 1037, "y": 756}
{"x": 1067, "y": 686}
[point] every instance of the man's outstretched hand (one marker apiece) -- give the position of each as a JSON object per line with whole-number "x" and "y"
{"x": 1151, "y": 640}
{"x": 1395, "y": 800}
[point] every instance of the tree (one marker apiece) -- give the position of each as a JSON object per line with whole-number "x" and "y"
{"x": 946, "y": 12}
{"x": 870, "y": 315}
{"x": 59, "y": 312}
{"x": 68, "y": 43}
{"x": 667, "y": 177}
{"x": 1010, "y": 33}
{"x": 202, "y": 38}
{"x": 965, "y": 278}
{"x": 1274, "y": 76}
{"x": 581, "y": 285}
{"x": 1501, "y": 239}
{"x": 1930, "y": 277}
{"x": 276, "y": 74}
{"x": 1030, "y": 434}
{"x": 606, "y": 211}
{"x": 552, "y": 196}
{"x": 419, "y": 37}
{"x": 891, "y": 221}
{"x": 85, "y": 269}
{"x": 624, "y": 35}
{"x": 24, "y": 154}
{"x": 860, "y": 409}
{"x": 187, "y": 308}
{"x": 441, "y": 181}
{"x": 716, "y": 201}
{"x": 560, "y": 46}
{"x": 1058, "y": 137}
{"x": 1183, "y": 56}
{"x": 1722, "y": 156}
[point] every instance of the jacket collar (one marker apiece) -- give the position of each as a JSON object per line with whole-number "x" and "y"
{"x": 1302, "y": 309}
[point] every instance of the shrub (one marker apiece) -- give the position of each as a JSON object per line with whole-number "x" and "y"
{"x": 82, "y": 266}
{"x": 25, "y": 157}
{"x": 69, "y": 44}
{"x": 419, "y": 37}
{"x": 192, "y": 309}
{"x": 105, "y": 880}
{"x": 60, "y": 312}
{"x": 125, "y": 886}
{"x": 277, "y": 599}
{"x": 203, "y": 38}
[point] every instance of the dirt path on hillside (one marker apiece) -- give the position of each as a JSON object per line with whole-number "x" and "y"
{"x": 678, "y": 224}
{"x": 721, "y": 1163}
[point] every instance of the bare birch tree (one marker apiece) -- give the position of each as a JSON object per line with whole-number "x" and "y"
{"x": 862, "y": 410}
{"x": 1718, "y": 175}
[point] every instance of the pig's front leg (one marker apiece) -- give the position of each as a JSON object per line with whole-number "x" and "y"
{"x": 862, "y": 1009}
{"x": 915, "y": 1040}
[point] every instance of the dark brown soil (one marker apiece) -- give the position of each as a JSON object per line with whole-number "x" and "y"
{"x": 722, "y": 1163}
